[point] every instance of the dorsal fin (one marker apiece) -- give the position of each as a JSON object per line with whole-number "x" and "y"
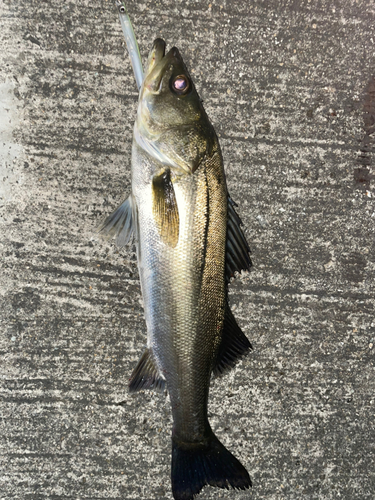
{"x": 237, "y": 248}
{"x": 146, "y": 375}
{"x": 119, "y": 224}
{"x": 234, "y": 344}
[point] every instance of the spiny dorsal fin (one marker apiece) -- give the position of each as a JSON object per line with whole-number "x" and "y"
{"x": 119, "y": 224}
{"x": 165, "y": 209}
{"x": 234, "y": 344}
{"x": 237, "y": 248}
{"x": 146, "y": 375}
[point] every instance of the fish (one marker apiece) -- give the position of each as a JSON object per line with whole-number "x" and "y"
{"x": 190, "y": 243}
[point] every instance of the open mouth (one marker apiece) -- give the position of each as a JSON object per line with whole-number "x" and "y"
{"x": 157, "y": 52}
{"x": 158, "y": 60}
{"x": 158, "y": 48}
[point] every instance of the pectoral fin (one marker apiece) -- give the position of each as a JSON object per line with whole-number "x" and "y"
{"x": 165, "y": 209}
{"x": 237, "y": 249}
{"x": 119, "y": 224}
{"x": 234, "y": 344}
{"x": 146, "y": 375}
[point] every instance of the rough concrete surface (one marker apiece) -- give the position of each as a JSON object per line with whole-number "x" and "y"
{"x": 290, "y": 88}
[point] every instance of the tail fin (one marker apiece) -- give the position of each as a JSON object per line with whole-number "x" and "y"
{"x": 197, "y": 464}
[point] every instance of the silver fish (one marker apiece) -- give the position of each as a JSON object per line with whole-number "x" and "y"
{"x": 189, "y": 243}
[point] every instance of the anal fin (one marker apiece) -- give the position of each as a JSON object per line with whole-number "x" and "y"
{"x": 146, "y": 375}
{"x": 234, "y": 345}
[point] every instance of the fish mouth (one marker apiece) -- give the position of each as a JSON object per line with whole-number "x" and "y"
{"x": 157, "y": 62}
{"x": 158, "y": 50}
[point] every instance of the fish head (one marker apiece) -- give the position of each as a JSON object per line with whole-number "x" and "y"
{"x": 170, "y": 113}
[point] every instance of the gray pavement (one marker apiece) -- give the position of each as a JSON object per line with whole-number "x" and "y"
{"x": 290, "y": 89}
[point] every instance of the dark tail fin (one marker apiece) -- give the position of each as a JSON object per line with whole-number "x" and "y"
{"x": 197, "y": 464}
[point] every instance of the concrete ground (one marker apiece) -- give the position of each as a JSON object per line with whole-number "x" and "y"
{"x": 290, "y": 88}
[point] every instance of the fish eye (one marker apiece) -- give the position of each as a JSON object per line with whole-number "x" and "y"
{"x": 180, "y": 84}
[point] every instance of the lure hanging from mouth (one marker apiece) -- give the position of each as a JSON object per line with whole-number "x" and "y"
{"x": 131, "y": 43}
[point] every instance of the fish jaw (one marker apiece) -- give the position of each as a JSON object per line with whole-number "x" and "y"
{"x": 157, "y": 64}
{"x": 155, "y": 56}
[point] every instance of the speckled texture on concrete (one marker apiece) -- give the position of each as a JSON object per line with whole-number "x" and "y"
{"x": 290, "y": 88}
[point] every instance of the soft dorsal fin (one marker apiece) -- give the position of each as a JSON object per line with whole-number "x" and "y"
{"x": 146, "y": 375}
{"x": 234, "y": 344}
{"x": 164, "y": 208}
{"x": 119, "y": 224}
{"x": 237, "y": 249}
